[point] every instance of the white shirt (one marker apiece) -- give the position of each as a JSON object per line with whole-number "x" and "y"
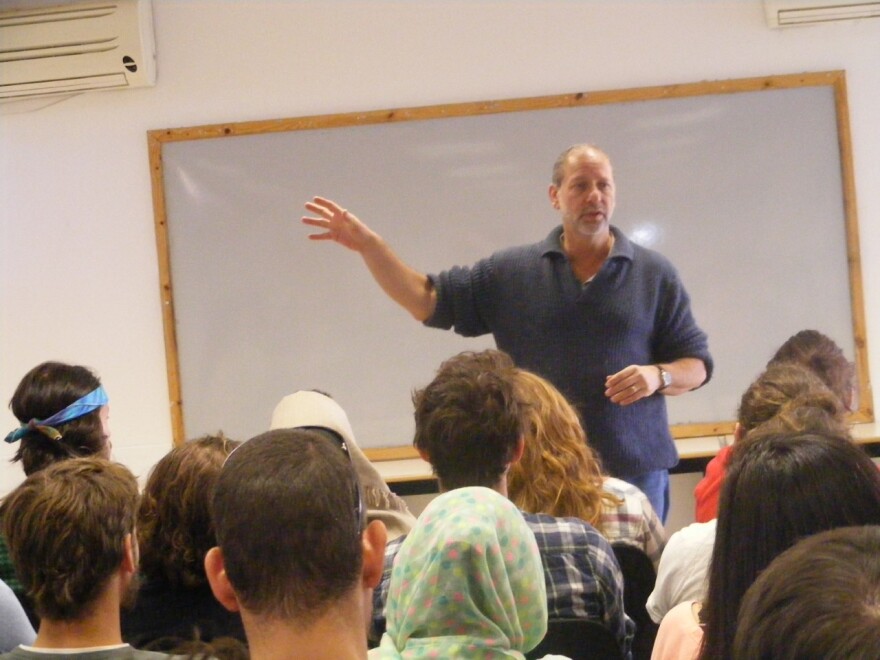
{"x": 684, "y": 568}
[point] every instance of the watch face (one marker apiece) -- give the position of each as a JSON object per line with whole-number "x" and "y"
{"x": 665, "y": 377}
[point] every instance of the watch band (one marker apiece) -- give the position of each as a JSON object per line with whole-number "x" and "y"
{"x": 665, "y": 378}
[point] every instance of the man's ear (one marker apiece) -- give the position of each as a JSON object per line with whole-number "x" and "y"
{"x": 852, "y": 401}
{"x": 553, "y": 194}
{"x": 215, "y": 569}
{"x": 374, "y": 538}
{"x": 519, "y": 450}
{"x": 130, "y": 554}
{"x": 738, "y": 432}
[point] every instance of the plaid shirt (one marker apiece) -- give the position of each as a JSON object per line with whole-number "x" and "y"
{"x": 634, "y": 522}
{"x": 581, "y": 573}
{"x": 7, "y": 568}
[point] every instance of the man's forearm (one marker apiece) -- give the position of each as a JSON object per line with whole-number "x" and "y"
{"x": 687, "y": 374}
{"x": 406, "y": 286}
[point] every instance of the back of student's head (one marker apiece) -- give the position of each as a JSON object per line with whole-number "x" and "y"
{"x": 781, "y": 389}
{"x": 66, "y": 527}
{"x": 469, "y": 419}
{"x": 490, "y": 359}
{"x": 819, "y": 354}
{"x": 780, "y": 487}
{"x": 44, "y": 391}
{"x": 175, "y": 529}
{"x": 558, "y": 474}
{"x": 288, "y": 524}
{"x": 467, "y": 582}
{"x": 819, "y": 600}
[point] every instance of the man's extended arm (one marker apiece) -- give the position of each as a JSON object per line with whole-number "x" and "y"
{"x": 409, "y": 288}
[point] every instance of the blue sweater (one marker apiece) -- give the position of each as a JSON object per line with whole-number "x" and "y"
{"x": 635, "y": 311}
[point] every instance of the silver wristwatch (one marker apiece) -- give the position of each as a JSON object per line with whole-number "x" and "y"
{"x": 665, "y": 378}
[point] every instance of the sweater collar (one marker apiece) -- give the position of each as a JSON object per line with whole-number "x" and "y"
{"x": 622, "y": 248}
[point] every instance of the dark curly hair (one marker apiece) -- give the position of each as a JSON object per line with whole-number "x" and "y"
{"x": 174, "y": 526}
{"x": 470, "y": 419}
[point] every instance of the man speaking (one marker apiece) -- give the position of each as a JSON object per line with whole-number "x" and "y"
{"x": 605, "y": 320}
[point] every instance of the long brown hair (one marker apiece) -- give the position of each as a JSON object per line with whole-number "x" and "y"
{"x": 559, "y": 474}
{"x": 783, "y": 388}
{"x": 823, "y": 357}
{"x": 781, "y": 486}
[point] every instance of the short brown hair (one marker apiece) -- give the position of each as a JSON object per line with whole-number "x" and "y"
{"x": 175, "y": 529}
{"x": 287, "y": 525}
{"x": 469, "y": 420}
{"x": 562, "y": 160}
{"x": 66, "y": 527}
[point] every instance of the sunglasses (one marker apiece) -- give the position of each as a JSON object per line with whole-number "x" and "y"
{"x": 360, "y": 509}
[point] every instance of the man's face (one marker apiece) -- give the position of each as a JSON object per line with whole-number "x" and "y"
{"x": 585, "y": 196}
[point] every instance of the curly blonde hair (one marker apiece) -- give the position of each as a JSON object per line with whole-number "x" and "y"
{"x": 559, "y": 473}
{"x": 174, "y": 525}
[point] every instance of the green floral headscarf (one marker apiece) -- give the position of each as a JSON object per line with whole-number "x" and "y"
{"x": 467, "y": 582}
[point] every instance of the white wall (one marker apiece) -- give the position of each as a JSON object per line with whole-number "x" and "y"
{"x": 78, "y": 268}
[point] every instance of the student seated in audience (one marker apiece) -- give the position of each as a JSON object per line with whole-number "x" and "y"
{"x": 781, "y": 486}
{"x": 816, "y": 601}
{"x": 71, "y": 532}
{"x": 683, "y": 573}
{"x": 798, "y": 401}
{"x": 63, "y": 412}
{"x": 560, "y": 475}
{"x": 467, "y": 583}
{"x": 813, "y": 351}
{"x": 175, "y": 531}
{"x": 295, "y": 554}
{"x": 15, "y": 628}
{"x": 310, "y": 408}
{"x": 469, "y": 426}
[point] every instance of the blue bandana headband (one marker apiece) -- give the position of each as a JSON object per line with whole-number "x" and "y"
{"x": 83, "y": 406}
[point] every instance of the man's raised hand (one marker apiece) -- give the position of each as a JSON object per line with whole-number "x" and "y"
{"x": 338, "y": 224}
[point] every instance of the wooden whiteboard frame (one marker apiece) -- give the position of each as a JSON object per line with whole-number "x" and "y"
{"x": 834, "y": 79}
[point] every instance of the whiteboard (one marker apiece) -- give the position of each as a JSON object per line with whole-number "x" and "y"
{"x": 742, "y": 184}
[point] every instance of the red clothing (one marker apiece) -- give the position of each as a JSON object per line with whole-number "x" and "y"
{"x": 708, "y": 491}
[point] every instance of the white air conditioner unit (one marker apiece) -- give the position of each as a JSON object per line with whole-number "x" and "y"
{"x": 76, "y": 47}
{"x": 788, "y": 13}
